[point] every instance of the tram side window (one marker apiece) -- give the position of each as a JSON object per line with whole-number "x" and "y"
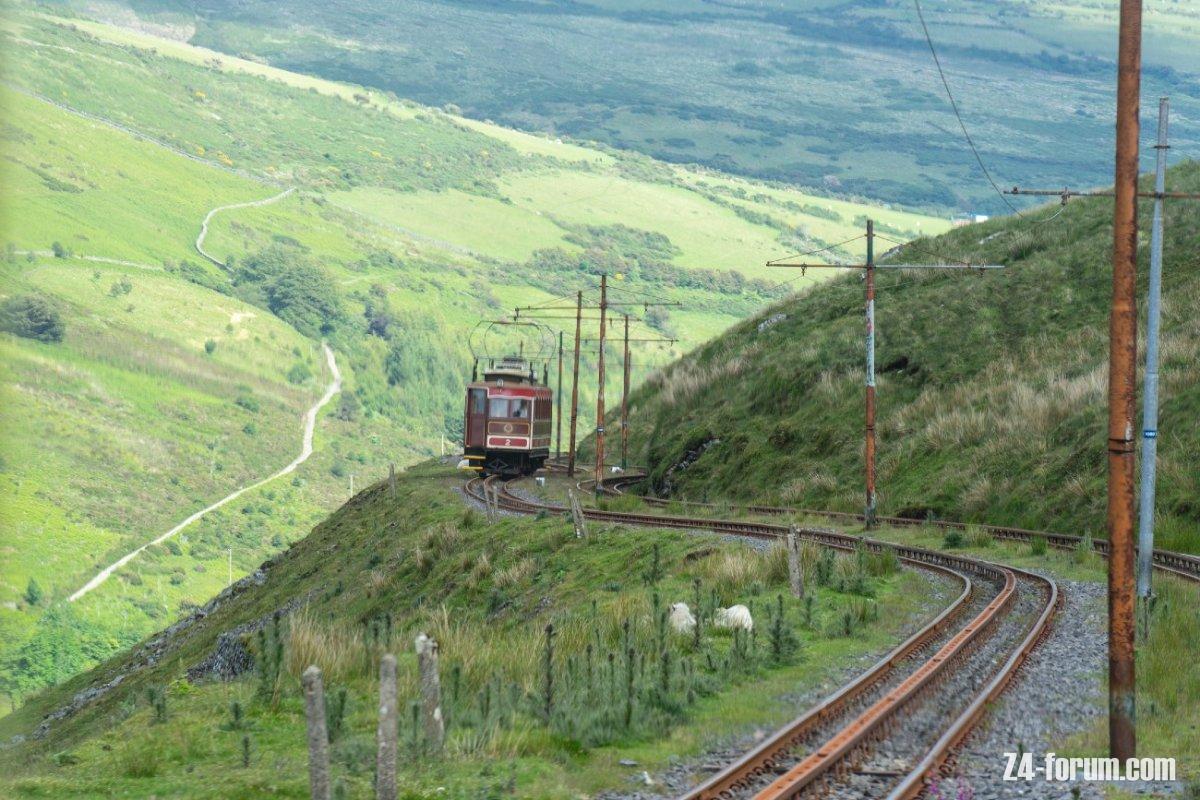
{"x": 520, "y": 409}
{"x": 478, "y": 401}
{"x": 497, "y": 407}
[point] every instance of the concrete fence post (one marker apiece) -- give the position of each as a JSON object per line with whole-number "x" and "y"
{"x": 318, "y": 738}
{"x": 795, "y": 573}
{"x": 431, "y": 692}
{"x": 385, "y": 764}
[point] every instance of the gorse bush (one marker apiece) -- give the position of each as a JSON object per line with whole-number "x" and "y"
{"x": 32, "y": 317}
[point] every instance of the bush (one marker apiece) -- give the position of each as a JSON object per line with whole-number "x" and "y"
{"x": 953, "y": 540}
{"x": 33, "y": 593}
{"x": 978, "y": 537}
{"x": 299, "y": 373}
{"x": 1037, "y": 545}
{"x": 59, "y": 251}
{"x": 210, "y": 346}
{"x": 247, "y": 402}
{"x": 32, "y": 317}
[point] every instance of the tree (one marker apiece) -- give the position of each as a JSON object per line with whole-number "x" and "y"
{"x": 32, "y": 317}
{"x": 348, "y": 407}
{"x": 33, "y": 593}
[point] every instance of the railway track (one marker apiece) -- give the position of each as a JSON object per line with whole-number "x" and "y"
{"x": 1182, "y": 565}
{"x": 886, "y": 733}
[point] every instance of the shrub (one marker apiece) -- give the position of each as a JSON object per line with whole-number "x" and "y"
{"x": 1084, "y": 550}
{"x": 953, "y": 540}
{"x": 32, "y": 317}
{"x": 247, "y": 402}
{"x": 58, "y": 250}
{"x": 33, "y": 593}
{"x": 1037, "y": 545}
{"x": 298, "y": 373}
{"x": 978, "y": 537}
{"x": 210, "y": 346}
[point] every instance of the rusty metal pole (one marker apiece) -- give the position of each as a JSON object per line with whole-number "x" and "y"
{"x": 869, "y": 513}
{"x": 575, "y": 385}
{"x": 625, "y": 404}
{"x": 1122, "y": 382}
{"x": 558, "y": 403}
{"x": 600, "y": 385}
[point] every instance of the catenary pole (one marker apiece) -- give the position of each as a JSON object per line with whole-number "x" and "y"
{"x": 600, "y": 385}
{"x": 625, "y": 403}
{"x": 870, "y": 268}
{"x": 575, "y": 385}
{"x": 559, "y": 409}
{"x": 869, "y": 448}
{"x": 1122, "y": 381}
{"x": 1150, "y": 382}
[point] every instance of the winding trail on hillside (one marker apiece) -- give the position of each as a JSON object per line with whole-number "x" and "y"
{"x": 306, "y": 449}
{"x": 208, "y": 218}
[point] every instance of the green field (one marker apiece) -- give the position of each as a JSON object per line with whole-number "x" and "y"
{"x": 840, "y": 94}
{"x": 178, "y": 380}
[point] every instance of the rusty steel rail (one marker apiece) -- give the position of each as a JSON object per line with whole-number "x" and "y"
{"x": 919, "y": 777}
{"x": 1183, "y": 565}
{"x": 870, "y": 724}
{"x": 762, "y": 759}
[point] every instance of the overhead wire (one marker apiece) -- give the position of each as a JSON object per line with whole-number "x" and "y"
{"x": 954, "y": 105}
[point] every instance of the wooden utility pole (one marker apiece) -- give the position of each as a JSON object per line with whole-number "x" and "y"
{"x": 625, "y": 404}
{"x": 600, "y": 385}
{"x": 1122, "y": 385}
{"x": 575, "y": 385}
{"x": 869, "y": 268}
{"x": 558, "y": 410}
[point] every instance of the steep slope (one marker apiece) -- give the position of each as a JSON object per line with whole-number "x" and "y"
{"x": 393, "y": 562}
{"x": 991, "y": 387}
{"x": 183, "y": 376}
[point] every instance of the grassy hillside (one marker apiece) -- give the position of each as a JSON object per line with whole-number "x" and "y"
{"x": 991, "y": 388}
{"x": 386, "y": 566}
{"x": 840, "y": 93}
{"x": 178, "y": 380}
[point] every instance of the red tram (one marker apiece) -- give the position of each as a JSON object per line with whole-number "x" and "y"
{"x": 508, "y": 420}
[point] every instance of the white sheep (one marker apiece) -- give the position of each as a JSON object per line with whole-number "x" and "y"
{"x": 682, "y": 620}
{"x": 733, "y": 617}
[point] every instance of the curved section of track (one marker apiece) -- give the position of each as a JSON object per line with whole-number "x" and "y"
{"x": 908, "y": 689}
{"x": 1184, "y": 565}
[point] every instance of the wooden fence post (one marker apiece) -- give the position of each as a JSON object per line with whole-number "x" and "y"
{"x": 385, "y": 764}
{"x": 577, "y": 515}
{"x": 795, "y": 573}
{"x": 431, "y": 692}
{"x": 318, "y": 738}
{"x": 392, "y": 478}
